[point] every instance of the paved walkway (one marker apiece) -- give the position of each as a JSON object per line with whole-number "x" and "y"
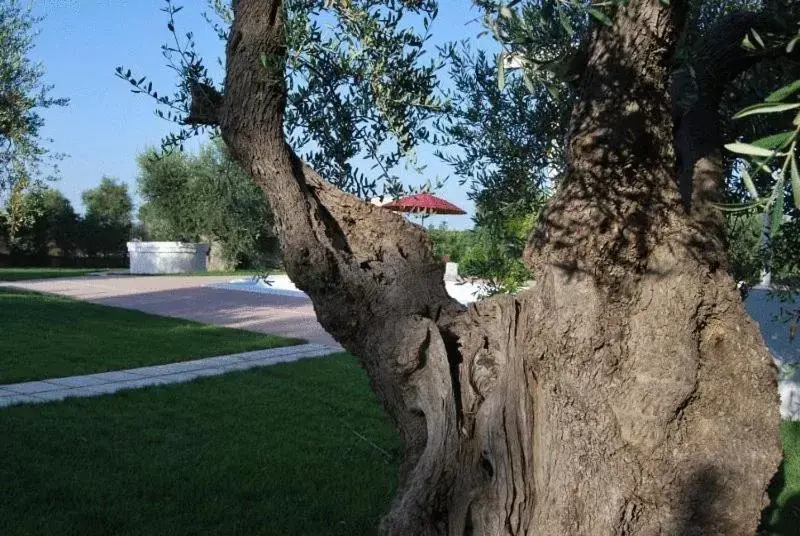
{"x": 111, "y": 382}
{"x": 190, "y": 297}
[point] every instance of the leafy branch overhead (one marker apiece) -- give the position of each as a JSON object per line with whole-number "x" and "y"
{"x": 544, "y": 40}
{"x": 182, "y": 57}
{"x": 774, "y": 156}
{"x": 504, "y": 145}
{"x": 360, "y": 91}
{"x": 23, "y": 96}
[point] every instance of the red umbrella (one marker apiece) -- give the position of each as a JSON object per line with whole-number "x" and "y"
{"x": 424, "y": 203}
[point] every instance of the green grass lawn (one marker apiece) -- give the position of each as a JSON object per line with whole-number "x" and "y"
{"x": 47, "y": 336}
{"x": 297, "y": 449}
{"x": 783, "y": 516}
{"x": 23, "y": 274}
{"x": 300, "y": 449}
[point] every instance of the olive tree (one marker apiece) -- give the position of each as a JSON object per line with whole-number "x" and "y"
{"x": 627, "y": 392}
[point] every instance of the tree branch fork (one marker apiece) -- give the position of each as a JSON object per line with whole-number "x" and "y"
{"x": 537, "y": 393}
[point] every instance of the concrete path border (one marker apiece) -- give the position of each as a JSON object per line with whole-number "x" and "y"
{"x": 110, "y": 382}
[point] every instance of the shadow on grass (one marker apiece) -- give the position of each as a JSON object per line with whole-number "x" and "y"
{"x": 782, "y": 516}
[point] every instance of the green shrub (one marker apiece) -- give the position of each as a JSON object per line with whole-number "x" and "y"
{"x": 450, "y": 243}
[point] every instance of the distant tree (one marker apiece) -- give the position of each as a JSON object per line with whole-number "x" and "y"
{"x": 109, "y": 213}
{"x": 449, "y": 243}
{"x": 206, "y": 197}
{"x": 22, "y": 97}
{"x": 58, "y": 224}
{"x": 50, "y": 226}
{"x": 152, "y": 225}
{"x": 20, "y": 212}
{"x": 164, "y": 184}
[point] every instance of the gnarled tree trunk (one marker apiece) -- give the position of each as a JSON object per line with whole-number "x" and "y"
{"x": 627, "y": 393}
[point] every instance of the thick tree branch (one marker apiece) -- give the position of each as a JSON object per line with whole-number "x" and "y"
{"x": 371, "y": 275}
{"x": 327, "y": 235}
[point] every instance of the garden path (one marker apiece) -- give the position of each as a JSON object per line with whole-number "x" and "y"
{"x": 110, "y": 382}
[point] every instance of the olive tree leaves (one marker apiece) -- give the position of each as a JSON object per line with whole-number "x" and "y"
{"x": 360, "y": 90}
{"x": 543, "y": 39}
{"x": 181, "y": 57}
{"x": 775, "y": 155}
{"x": 23, "y": 95}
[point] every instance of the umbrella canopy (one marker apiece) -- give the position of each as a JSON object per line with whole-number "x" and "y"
{"x": 424, "y": 203}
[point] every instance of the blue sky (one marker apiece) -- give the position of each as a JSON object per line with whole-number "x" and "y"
{"x": 105, "y": 126}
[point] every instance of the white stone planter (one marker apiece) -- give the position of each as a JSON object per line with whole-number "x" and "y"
{"x": 167, "y": 257}
{"x": 451, "y": 271}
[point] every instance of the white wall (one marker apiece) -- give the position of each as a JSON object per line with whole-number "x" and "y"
{"x": 167, "y": 257}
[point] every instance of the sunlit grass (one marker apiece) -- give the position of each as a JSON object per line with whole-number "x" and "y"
{"x": 783, "y": 515}
{"x": 284, "y": 450}
{"x": 46, "y": 336}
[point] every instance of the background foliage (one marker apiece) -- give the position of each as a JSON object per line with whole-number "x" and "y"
{"x": 46, "y": 225}
{"x": 108, "y": 221}
{"x": 23, "y": 94}
{"x": 206, "y": 197}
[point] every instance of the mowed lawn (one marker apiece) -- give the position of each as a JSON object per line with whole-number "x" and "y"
{"x": 23, "y": 274}
{"x": 45, "y": 336}
{"x": 783, "y": 515}
{"x": 295, "y": 449}
{"x": 300, "y": 449}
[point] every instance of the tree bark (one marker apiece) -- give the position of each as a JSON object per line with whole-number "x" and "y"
{"x": 627, "y": 393}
